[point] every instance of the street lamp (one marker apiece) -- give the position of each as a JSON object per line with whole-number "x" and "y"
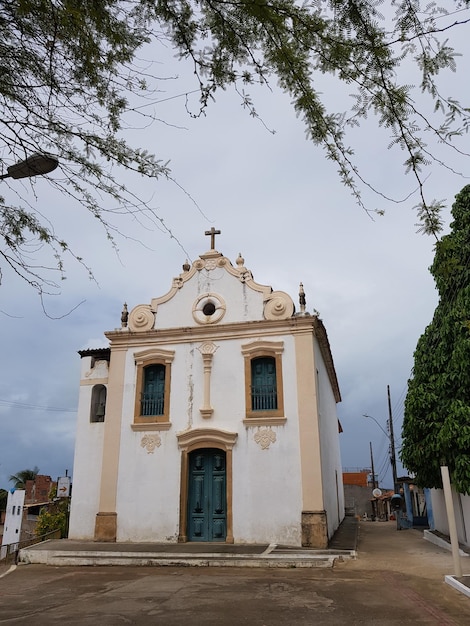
{"x": 378, "y": 424}
{"x": 37, "y": 164}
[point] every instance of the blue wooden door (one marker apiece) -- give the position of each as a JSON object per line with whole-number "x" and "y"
{"x": 207, "y": 501}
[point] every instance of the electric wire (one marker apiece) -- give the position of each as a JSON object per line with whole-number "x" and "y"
{"x": 34, "y": 407}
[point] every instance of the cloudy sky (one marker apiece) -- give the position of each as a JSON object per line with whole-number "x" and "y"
{"x": 279, "y": 202}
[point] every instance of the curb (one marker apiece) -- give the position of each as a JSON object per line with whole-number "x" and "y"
{"x": 456, "y": 584}
{"x": 440, "y": 542}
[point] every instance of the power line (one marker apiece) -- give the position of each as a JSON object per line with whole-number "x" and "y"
{"x": 35, "y": 407}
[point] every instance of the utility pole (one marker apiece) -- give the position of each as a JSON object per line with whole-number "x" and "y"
{"x": 374, "y": 485}
{"x": 393, "y": 458}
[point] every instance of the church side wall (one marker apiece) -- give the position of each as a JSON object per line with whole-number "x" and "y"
{"x": 332, "y": 476}
{"x": 87, "y": 464}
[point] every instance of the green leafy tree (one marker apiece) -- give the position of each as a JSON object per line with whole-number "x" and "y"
{"x": 54, "y": 517}
{"x": 72, "y": 81}
{"x": 19, "y": 479}
{"x": 436, "y": 427}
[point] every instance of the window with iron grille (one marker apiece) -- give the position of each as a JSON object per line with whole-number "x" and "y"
{"x": 152, "y": 389}
{"x": 263, "y": 384}
{"x": 153, "y": 394}
{"x": 264, "y": 395}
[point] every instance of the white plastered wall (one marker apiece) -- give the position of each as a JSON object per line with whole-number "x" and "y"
{"x": 242, "y": 302}
{"x": 88, "y": 457}
{"x": 461, "y": 510}
{"x": 148, "y": 488}
{"x": 332, "y": 477}
{"x": 266, "y": 497}
{"x": 13, "y": 517}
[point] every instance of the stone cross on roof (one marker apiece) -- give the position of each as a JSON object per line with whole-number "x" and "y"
{"x": 212, "y": 232}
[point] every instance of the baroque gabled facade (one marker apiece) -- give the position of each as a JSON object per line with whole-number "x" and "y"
{"x": 210, "y": 417}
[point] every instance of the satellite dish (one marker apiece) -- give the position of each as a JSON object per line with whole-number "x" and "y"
{"x": 377, "y": 493}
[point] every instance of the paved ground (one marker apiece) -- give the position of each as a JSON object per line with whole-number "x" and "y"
{"x": 398, "y": 578}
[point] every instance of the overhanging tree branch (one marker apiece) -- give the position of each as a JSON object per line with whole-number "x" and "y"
{"x": 70, "y": 76}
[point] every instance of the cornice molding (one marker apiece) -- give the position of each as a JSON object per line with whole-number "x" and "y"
{"x": 251, "y": 330}
{"x": 325, "y": 349}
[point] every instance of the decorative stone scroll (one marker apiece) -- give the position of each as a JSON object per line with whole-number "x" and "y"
{"x": 141, "y": 318}
{"x": 278, "y": 306}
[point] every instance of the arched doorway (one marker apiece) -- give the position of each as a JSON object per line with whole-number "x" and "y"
{"x": 206, "y": 485}
{"x": 207, "y": 499}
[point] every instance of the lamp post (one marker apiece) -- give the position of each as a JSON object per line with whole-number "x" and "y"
{"x": 37, "y": 164}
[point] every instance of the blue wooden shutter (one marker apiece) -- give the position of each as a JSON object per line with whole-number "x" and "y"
{"x": 263, "y": 384}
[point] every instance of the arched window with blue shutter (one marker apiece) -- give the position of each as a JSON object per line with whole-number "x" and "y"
{"x": 153, "y": 393}
{"x": 263, "y": 384}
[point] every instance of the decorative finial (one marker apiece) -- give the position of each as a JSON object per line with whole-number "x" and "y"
{"x": 186, "y": 266}
{"x": 240, "y": 260}
{"x": 212, "y": 232}
{"x": 302, "y": 299}
{"x": 124, "y": 316}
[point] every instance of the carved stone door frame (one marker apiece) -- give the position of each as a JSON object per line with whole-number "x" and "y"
{"x": 194, "y": 439}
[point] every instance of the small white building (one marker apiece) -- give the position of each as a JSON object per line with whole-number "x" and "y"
{"x": 210, "y": 417}
{"x": 13, "y": 517}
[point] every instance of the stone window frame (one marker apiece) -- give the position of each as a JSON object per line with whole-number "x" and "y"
{"x": 254, "y": 350}
{"x": 142, "y": 360}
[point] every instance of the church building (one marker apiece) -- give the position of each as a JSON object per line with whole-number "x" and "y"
{"x": 210, "y": 417}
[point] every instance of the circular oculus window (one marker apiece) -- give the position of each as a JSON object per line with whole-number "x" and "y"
{"x": 209, "y": 309}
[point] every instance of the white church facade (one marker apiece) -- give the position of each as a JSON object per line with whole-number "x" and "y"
{"x": 211, "y": 417}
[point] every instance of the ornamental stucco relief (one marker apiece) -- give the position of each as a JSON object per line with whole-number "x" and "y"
{"x": 210, "y": 263}
{"x": 264, "y": 437}
{"x": 150, "y": 442}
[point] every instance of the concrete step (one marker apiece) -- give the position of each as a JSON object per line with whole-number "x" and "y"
{"x": 271, "y": 557}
